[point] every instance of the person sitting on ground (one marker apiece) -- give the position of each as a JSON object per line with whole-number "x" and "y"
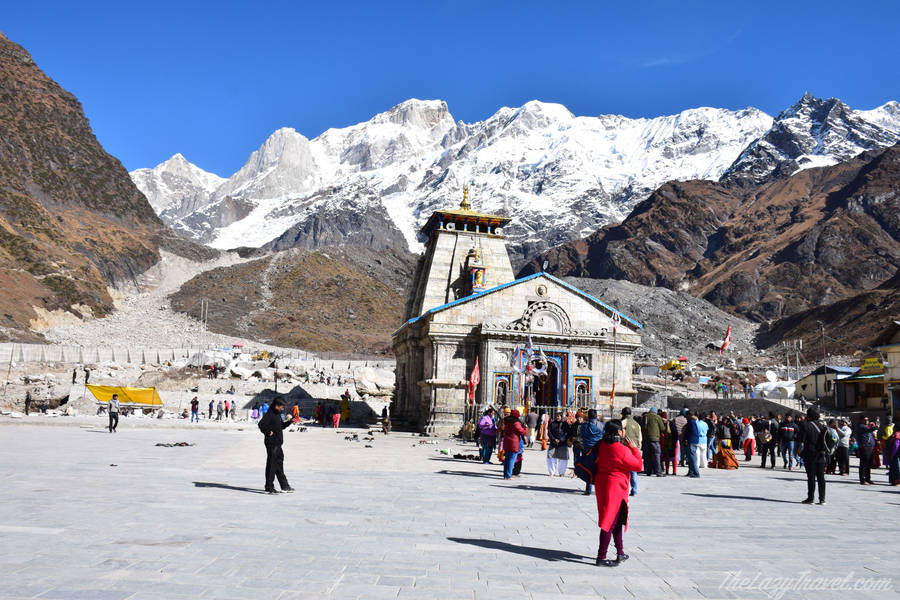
{"x": 617, "y": 458}
{"x": 724, "y": 458}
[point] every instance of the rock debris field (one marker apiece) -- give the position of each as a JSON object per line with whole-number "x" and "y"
{"x": 116, "y": 517}
{"x": 144, "y": 316}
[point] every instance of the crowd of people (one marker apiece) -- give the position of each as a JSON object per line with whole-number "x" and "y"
{"x": 697, "y": 440}
{"x": 654, "y": 443}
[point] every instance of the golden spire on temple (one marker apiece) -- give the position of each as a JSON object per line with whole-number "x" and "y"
{"x": 465, "y": 204}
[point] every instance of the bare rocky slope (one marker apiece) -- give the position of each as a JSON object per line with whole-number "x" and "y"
{"x": 815, "y": 238}
{"x": 72, "y": 222}
{"x": 854, "y": 322}
{"x": 675, "y": 323}
{"x": 345, "y": 299}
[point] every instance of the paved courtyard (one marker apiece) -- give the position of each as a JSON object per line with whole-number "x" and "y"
{"x": 86, "y": 514}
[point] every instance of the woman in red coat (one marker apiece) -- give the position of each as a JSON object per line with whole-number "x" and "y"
{"x": 512, "y": 442}
{"x": 617, "y": 457}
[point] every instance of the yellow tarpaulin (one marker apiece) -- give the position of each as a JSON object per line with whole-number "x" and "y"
{"x": 128, "y": 396}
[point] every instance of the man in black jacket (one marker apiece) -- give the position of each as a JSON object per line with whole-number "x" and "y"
{"x": 272, "y": 428}
{"x": 768, "y": 448}
{"x": 788, "y": 432}
{"x": 811, "y": 435}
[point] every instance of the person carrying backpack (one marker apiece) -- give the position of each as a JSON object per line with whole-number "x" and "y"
{"x": 591, "y": 434}
{"x": 818, "y": 445}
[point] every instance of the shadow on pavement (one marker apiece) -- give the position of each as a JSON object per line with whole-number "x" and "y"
{"x": 542, "y": 553}
{"x": 471, "y": 474}
{"x": 759, "y": 498}
{"x": 542, "y": 488}
{"x": 225, "y": 486}
{"x": 829, "y": 479}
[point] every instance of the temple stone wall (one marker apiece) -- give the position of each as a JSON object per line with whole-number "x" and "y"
{"x": 444, "y": 276}
{"x": 449, "y": 327}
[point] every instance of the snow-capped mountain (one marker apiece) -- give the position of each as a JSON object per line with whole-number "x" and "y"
{"x": 176, "y": 188}
{"x": 558, "y": 175}
{"x": 815, "y": 133}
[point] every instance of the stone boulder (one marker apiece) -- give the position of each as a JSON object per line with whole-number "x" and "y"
{"x": 374, "y": 381}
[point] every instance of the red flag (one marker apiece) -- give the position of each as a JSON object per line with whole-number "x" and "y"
{"x": 612, "y": 394}
{"x": 726, "y": 342}
{"x": 474, "y": 380}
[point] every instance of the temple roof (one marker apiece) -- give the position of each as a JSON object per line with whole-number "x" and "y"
{"x": 464, "y": 215}
{"x": 568, "y": 286}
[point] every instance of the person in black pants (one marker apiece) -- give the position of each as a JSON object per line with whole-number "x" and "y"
{"x": 771, "y": 425}
{"x": 865, "y": 437}
{"x": 113, "y": 408}
{"x": 812, "y": 437}
{"x": 272, "y": 428}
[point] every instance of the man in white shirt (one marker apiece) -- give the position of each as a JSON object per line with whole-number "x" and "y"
{"x": 843, "y": 450}
{"x": 113, "y": 409}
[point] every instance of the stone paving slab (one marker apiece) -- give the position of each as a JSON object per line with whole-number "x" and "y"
{"x": 401, "y": 520}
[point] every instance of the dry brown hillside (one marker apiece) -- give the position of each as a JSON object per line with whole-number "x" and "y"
{"x": 347, "y": 299}
{"x": 71, "y": 220}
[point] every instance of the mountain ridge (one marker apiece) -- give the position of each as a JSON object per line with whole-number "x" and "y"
{"x": 836, "y": 229}
{"x": 537, "y": 161}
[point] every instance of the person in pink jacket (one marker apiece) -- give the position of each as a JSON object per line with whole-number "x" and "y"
{"x": 617, "y": 458}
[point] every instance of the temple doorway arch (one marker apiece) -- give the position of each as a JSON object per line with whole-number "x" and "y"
{"x": 547, "y": 388}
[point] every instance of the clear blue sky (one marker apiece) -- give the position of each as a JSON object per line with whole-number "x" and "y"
{"x": 213, "y": 79}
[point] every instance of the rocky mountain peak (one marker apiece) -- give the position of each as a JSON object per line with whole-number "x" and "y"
{"x": 814, "y": 132}
{"x": 283, "y": 166}
{"x": 423, "y": 114}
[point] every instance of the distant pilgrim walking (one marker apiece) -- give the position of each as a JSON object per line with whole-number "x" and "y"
{"x": 113, "y": 410}
{"x": 273, "y": 428}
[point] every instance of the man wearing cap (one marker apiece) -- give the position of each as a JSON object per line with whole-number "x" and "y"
{"x": 653, "y": 425}
{"x": 273, "y": 428}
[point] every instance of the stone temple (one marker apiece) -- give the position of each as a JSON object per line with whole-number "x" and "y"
{"x": 466, "y": 305}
